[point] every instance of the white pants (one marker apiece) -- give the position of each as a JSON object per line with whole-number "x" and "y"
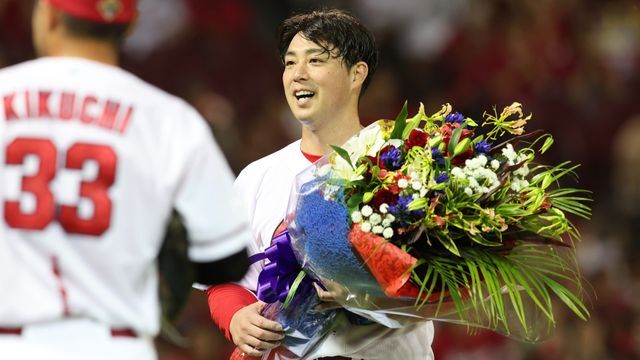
{"x": 73, "y": 339}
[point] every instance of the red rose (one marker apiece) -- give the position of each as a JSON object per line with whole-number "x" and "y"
{"x": 417, "y": 137}
{"x": 383, "y": 196}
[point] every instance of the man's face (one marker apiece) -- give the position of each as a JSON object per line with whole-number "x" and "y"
{"x": 316, "y": 84}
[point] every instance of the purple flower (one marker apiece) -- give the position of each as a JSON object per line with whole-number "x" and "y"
{"x": 482, "y": 147}
{"x": 436, "y": 155}
{"x": 442, "y": 177}
{"x": 391, "y": 158}
{"x": 455, "y": 117}
{"x": 401, "y": 205}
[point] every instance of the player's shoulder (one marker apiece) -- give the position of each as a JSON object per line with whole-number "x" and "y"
{"x": 273, "y": 162}
{"x": 16, "y": 69}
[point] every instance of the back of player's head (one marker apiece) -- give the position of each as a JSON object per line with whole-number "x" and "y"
{"x": 336, "y": 31}
{"x": 99, "y": 19}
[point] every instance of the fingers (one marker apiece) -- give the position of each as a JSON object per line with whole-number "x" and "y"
{"x": 252, "y": 332}
{"x": 324, "y": 295}
{"x": 248, "y": 350}
{"x": 262, "y": 322}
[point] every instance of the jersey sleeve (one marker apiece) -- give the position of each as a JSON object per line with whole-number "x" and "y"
{"x": 211, "y": 210}
{"x": 247, "y": 186}
{"x": 224, "y": 301}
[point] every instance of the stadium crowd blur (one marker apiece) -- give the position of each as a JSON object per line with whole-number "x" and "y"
{"x": 574, "y": 64}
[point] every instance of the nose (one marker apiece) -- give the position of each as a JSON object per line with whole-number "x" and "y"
{"x": 300, "y": 71}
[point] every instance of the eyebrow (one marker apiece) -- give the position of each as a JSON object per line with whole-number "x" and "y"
{"x": 310, "y": 51}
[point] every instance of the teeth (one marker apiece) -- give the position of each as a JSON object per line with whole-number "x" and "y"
{"x": 304, "y": 93}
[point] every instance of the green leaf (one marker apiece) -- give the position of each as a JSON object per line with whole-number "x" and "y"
{"x": 400, "y": 123}
{"x": 448, "y": 243}
{"x": 418, "y": 203}
{"x": 414, "y": 122}
{"x": 343, "y": 154}
{"x": 293, "y": 289}
{"x": 354, "y": 201}
{"x": 455, "y": 137}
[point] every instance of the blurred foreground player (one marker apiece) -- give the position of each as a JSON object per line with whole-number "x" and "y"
{"x": 92, "y": 162}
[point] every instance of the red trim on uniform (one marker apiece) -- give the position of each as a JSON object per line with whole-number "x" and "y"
{"x": 61, "y": 289}
{"x": 312, "y": 158}
{"x": 11, "y": 331}
{"x": 224, "y": 301}
{"x": 123, "y": 333}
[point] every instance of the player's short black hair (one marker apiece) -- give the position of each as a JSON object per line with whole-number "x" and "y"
{"x": 114, "y": 33}
{"x": 336, "y": 31}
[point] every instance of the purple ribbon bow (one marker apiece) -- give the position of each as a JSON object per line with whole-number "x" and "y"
{"x": 274, "y": 281}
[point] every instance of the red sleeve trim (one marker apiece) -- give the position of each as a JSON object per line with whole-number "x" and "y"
{"x": 224, "y": 301}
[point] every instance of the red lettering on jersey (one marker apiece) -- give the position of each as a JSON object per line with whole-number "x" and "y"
{"x": 67, "y": 102}
{"x": 124, "y": 124}
{"x": 43, "y": 104}
{"x": 9, "y": 112}
{"x": 108, "y": 118}
{"x": 84, "y": 114}
{"x": 27, "y": 104}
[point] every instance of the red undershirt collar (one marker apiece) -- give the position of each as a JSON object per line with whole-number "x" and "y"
{"x": 312, "y": 158}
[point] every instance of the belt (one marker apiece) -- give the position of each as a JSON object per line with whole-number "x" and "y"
{"x": 114, "y": 332}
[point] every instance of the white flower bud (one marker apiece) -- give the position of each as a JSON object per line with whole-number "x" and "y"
{"x": 375, "y": 219}
{"x": 495, "y": 164}
{"x": 365, "y": 227}
{"x": 416, "y": 185}
{"x": 468, "y": 191}
{"x": 457, "y": 172}
{"x": 366, "y": 211}
{"x": 403, "y": 183}
{"x": 377, "y": 229}
{"x": 384, "y": 208}
{"x": 356, "y": 217}
{"x": 387, "y": 233}
{"x": 482, "y": 160}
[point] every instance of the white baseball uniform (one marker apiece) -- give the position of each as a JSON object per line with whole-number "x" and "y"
{"x": 265, "y": 187}
{"x": 92, "y": 162}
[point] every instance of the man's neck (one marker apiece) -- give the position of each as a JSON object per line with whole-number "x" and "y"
{"x": 317, "y": 141}
{"x": 87, "y": 49}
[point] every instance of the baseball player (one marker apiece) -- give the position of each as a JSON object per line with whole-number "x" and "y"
{"x": 328, "y": 59}
{"x": 92, "y": 162}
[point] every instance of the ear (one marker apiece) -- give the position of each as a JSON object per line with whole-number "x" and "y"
{"x": 359, "y": 72}
{"x": 52, "y": 16}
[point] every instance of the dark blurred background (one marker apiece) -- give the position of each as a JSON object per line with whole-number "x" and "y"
{"x": 574, "y": 64}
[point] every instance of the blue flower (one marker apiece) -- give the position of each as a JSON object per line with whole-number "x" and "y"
{"x": 441, "y": 178}
{"x": 401, "y": 205}
{"x": 436, "y": 155}
{"x": 482, "y": 147}
{"x": 455, "y": 117}
{"x": 391, "y": 158}
{"x": 399, "y": 210}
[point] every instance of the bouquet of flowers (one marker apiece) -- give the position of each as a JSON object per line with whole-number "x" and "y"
{"x": 440, "y": 218}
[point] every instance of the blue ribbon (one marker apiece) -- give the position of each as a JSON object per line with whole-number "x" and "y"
{"x": 276, "y": 278}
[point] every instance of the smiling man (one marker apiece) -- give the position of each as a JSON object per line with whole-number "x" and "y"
{"x": 329, "y": 58}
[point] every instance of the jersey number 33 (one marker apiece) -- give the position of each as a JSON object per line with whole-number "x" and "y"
{"x": 38, "y": 184}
